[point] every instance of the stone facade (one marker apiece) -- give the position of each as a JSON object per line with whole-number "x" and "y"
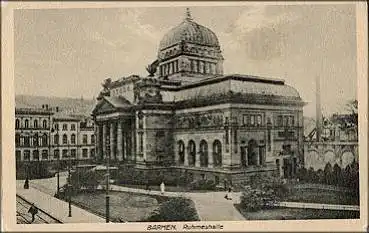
{"x": 204, "y": 123}
{"x": 43, "y": 134}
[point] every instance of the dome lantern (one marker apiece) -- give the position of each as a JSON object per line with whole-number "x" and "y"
{"x": 190, "y": 49}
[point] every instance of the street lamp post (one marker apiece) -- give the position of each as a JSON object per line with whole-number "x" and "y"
{"x": 69, "y": 183}
{"x": 107, "y": 210}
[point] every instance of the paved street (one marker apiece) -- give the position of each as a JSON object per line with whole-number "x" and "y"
{"x": 211, "y": 206}
{"x": 41, "y": 192}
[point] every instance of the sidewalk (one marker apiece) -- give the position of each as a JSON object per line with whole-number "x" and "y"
{"x": 304, "y": 205}
{"x": 210, "y": 206}
{"x": 57, "y": 208}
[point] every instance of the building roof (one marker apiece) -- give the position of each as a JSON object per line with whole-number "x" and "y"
{"x": 118, "y": 101}
{"x": 243, "y": 84}
{"x": 189, "y": 31}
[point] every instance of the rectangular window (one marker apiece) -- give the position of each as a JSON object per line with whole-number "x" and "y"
{"x": 45, "y": 154}
{"x": 259, "y": 120}
{"x": 292, "y": 120}
{"x": 92, "y": 153}
{"x": 280, "y": 121}
{"x": 27, "y": 155}
{"x": 18, "y": 155}
{"x": 73, "y": 127}
{"x": 85, "y": 153}
{"x": 244, "y": 120}
{"x": 73, "y": 153}
{"x": 56, "y": 154}
{"x": 65, "y": 153}
{"x": 65, "y": 127}
{"x": 252, "y": 121}
{"x": 141, "y": 142}
{"x": 84, "y": 139}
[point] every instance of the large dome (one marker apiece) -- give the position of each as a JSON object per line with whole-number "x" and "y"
{"x": 189, "y": 31}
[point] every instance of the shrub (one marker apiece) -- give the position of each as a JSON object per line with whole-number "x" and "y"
{"x": 253, "y": 199}
{"x": 270, "y": 183}
{"x": 176, "y": 209}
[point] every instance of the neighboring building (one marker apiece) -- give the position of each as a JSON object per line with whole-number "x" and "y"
{"x": 32, "y": 133}
{"x": 187, "y": 116}
{"x": 59, "y": 136}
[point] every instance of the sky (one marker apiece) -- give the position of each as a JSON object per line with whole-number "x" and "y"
{"x": 69, "y": 52}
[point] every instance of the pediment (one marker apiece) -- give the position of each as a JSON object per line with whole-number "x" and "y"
{"x": 103, "y": 107}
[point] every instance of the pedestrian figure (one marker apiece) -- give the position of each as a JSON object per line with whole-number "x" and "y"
{"x": 26, "y": 184}
{"x": 33, "y": 210}
{"x": 162, "y": 187}
{"x": 229, "y": 193}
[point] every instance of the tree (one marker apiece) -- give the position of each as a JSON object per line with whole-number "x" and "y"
{"x": 85, "y": 180}
{"x": 174, "y": 210}
{"x": 328, "y": 177}
{"x": 337, "y": 175}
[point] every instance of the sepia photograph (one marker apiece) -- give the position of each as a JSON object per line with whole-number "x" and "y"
{"x": 185, "y": 117}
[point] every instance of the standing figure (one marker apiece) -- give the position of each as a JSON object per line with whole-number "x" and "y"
{"x": 26, "y": 184}
{"x": 229, "y": 193}
{"x": 33, "y": 210}
{"x": 162, "y": 187}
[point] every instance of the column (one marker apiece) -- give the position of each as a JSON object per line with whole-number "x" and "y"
{"x": 119, "y": 141}
{"x": 210, "y": 155}
{"x": 186, "y": 156}
{"x": 104, "y": 140}
{"x": 112, "y": 141}
{"x": 97, "y": 144}
{"x": 257, "y": 156}
{"x": 207, "y": 68}
{"x": 197, "y": 162}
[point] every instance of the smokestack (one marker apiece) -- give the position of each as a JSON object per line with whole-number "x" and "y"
{"x": 318, "y": 119}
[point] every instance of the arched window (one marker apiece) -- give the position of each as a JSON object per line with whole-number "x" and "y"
{"x": 35, "y": 124}
{"x": 204, "y": 159}
{"x": 17, "y": 123}
{"x": 17, "y": 139}
{"x": 44, "y": 139}
{"x": 217, "y": 153}
{"x": 65, "y": 139}
{"x": 181, "y": 152}
{"x": 26, "y": 124}
{"x": 56, "y": 139}
{"x": 44, "y": 124}
{"x": 191, "y": 153}
{"x": 35, "y": 140}
{"x": 73, "y": 139}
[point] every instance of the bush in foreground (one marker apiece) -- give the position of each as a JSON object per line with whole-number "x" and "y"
{"x": 177, "y": 209}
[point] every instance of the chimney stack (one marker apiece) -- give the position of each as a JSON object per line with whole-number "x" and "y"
{"x": 318, "y": 119}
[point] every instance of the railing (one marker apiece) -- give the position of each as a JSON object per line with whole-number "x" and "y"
{"x": 22, "y": 211}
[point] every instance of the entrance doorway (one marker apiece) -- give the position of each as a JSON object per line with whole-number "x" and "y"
{"x": 252, "y": 152}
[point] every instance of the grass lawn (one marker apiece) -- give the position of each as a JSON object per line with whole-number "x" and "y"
{"x": 129, "y": 207}
{"x": 322, "y": 196}
{"x": 292, "y": 213}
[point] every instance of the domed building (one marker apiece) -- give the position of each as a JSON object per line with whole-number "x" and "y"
{"x": 188, "y": 118}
